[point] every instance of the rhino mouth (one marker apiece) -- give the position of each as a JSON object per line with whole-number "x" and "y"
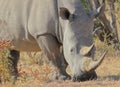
{"x": 85, "y": 77}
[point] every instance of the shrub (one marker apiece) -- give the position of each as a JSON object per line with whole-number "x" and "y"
{"x": 4, "y": 54}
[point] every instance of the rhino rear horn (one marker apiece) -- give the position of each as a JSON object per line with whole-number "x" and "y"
{"x": 85, "y": 50}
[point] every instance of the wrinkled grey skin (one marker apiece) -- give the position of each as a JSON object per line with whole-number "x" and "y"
{"x": 35, "y": 25}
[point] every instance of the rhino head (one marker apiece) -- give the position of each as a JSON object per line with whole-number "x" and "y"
{"x": 78, "y": 44}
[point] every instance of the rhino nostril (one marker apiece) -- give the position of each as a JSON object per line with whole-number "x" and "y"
{"x": 72, "y": 50}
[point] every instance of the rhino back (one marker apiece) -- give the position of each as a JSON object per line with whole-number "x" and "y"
{"x": 22, "y": 20}
{"x": 43, "y": 17}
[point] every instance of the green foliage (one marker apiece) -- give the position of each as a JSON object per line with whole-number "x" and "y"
{"x": 85, "y": 5}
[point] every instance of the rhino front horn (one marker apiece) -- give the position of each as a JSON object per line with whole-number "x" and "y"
{"x": 90, "y": 64}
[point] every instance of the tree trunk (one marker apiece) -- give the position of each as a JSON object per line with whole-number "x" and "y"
{"x": 113, "y": 22}
{"x": 109, "y": 28}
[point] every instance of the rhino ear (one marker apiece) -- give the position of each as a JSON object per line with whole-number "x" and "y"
{"x": 64, "y": 13}
{"x": 98, "y": 11}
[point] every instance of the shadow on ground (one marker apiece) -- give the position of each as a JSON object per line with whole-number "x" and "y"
{"x": 112, "y": 77}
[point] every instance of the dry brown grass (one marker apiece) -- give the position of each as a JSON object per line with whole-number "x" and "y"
{"x": 37, "y": 75}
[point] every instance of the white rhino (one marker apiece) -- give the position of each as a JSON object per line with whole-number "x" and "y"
{"x": 34, "y": 25}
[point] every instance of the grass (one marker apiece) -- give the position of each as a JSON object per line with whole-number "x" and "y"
{"x": 37, "y": 74}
